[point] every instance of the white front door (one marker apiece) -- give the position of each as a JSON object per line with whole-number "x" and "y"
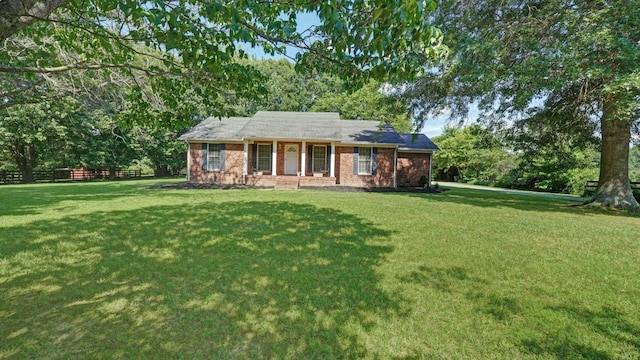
{"x": 291, "y": 159}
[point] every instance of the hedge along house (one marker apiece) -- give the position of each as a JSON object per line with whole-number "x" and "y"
{"x": 291, "y": 149}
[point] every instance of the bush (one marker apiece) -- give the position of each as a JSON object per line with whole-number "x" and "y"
{"x": 578, "y": 177}
{"x": 424, "y": 181}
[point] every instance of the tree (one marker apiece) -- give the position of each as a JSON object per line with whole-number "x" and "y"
{"x": 101, "y": 142}
{"x": 31, "y": 133}
{"x": 197, "y": 45}
{"x": 367, "y": 103}
{"x": 470, "y": 153}
{"x": 161, "y": 147}
{"x": 291, "y": 91}
{"x": 634, "y": 162}
{"x": 576, "y": 62}
{"x": 287, "y": 90}
{"x": 550, "y": 158}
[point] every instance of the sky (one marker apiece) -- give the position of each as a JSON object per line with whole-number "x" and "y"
{"x": 432, "y": 127}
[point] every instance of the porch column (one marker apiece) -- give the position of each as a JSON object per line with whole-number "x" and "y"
{"x": 303, "y": 159}
{"x": 274, "y": 158}
{"x": 245, "y": 162}
{"x": 332, "y": 161}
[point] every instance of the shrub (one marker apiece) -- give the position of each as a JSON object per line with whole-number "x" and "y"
{"x": 424, "y": 181}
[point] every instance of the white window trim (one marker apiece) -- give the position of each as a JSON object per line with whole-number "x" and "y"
{"x": 209, "y": 157}
{"x": 313, "y": 159}
{"x": 258, "y": 157}
{"x": 370, "y": 160}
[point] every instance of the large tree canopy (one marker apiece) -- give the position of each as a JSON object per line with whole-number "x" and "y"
{"x": 573, "y": 63}
{"x": 167, "y": 48}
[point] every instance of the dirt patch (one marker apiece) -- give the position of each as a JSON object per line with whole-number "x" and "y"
{"x": 208, "y": 186}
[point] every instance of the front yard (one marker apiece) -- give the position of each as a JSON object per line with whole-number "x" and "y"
{"x": 114, "y": 270}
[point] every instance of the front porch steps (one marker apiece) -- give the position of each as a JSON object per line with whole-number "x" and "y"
{"x": 287, "y": 182}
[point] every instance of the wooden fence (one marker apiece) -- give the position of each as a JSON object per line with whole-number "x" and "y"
{"x": 15, "y": 177}
{"x": 590, "y": 186}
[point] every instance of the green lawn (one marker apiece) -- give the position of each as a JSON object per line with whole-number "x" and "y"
{"x": 113, "y": 270}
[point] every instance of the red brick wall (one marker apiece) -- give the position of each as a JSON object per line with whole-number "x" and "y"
{"x": 344, "y": 169}
{"x": 412, "y": 166}
{"x": 232, "y": 164}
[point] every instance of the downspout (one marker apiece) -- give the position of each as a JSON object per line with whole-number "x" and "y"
{"x": 245, "y": 161}
{"x": 395, "y": 167}
{"x": 188, "y": 161}
{"x": 430, "y": 162}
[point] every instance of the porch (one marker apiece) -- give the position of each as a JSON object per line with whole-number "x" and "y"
{"x": 289, "y": 181}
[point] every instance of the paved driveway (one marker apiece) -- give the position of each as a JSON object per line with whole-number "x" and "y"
{"x": 446, "y": 184}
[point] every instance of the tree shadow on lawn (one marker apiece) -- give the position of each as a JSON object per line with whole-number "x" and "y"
{"x": 571, "y": 337}
{"x": 606, "y": 321}
{"x": 239, "y": 280}
{"x": 492, "y": 199}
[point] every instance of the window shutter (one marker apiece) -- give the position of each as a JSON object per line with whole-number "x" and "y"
{"x": 254, "y": 156}
{"x": 327, "y": 166}
{"x": 355, "y": 160}
{"x": 309, "y": 158}
{"x": 204, "y": 157}
{"x": 374, "y": 161}
{"x": 222, "y": 156}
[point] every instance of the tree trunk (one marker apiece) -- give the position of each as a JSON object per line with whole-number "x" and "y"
{"x": 614, "y": 189}
{"x": 161, "y": 170}
{"x": 25, "y": 156}
{"x": 17, "y": 14}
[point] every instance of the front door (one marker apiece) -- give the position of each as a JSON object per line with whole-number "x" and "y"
{"x": 291, "y": 159}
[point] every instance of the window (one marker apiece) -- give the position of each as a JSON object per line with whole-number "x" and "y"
{"x": 214, "y": 157}
{"x": 364, "y": 160}
{"x": 263, "y": 155}
{"x": 319, "y": 159}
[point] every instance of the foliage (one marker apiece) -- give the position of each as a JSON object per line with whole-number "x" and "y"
{"x": 552, "y": 159}
{"x": 470, "y": 153}
{"x": 35, "y": 133}
{"x": 575, "y": 61}
{"x": 634, "y": 163}
{"x": 424, "y": 181}
{"x": 288, "y": 90}
{"x": 160, "y": 147}
{"x": 281, "y": 274}
{"x": 367, "y": 103}
{"x": 191, "y": 46}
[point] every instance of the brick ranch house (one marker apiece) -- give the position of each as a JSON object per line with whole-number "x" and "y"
{"x": 291, "y": 149}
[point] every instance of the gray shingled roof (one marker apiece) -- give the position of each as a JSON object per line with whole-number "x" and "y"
{"x": 321, "y": 126}
{"x": 417, "y": 142}
{"x": 367, "y": 132}
{"x": 293, "y": 125}
{"x": 217, "y": 129}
